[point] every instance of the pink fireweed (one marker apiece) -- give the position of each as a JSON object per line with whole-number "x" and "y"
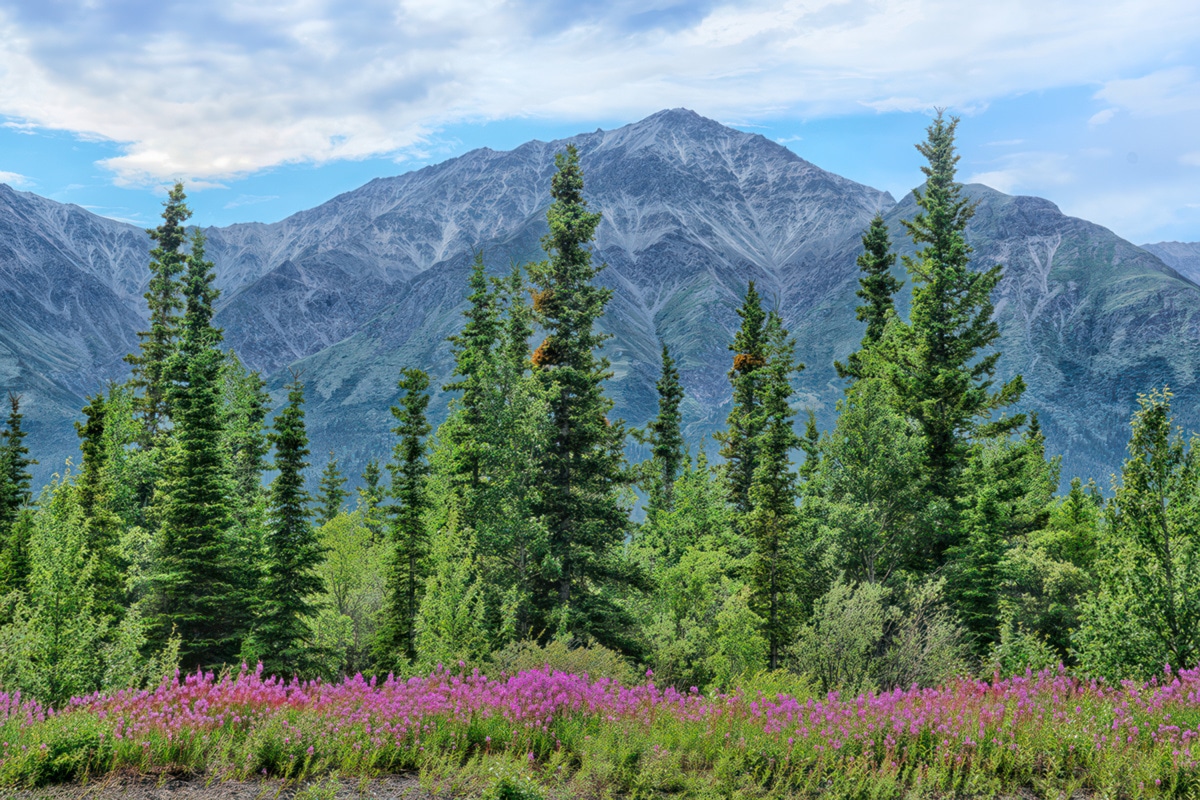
{"x": 987, "y": 734}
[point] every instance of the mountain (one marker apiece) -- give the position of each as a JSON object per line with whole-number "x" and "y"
{"x": 351, "y": 291}
{"x": 1183, "y": 257}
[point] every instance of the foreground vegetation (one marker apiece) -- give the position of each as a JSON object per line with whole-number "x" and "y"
{"x": 544, "y": 731}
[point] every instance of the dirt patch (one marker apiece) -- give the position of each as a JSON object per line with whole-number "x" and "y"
{"x": 197, "y": 788}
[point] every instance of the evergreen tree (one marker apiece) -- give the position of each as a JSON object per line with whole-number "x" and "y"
{"x": 101, "y": 525}
{"x": 941, "y": 378}
{"x": 163, "y": 298}
{"x": 195, "y": 582}
{"x": 583, "y": 470}
{"x": 332, "y": 492}
{"x": 771, "y": 526}
{"x": 408, "y": 567}
{"x": 14, "y": 463}
{"x": 450, "y": 624}
{"x": 245, "y": 436}
{"x": 290, "y": 583}
{"x": 370, "y": 501}
{"x": 740, "y": 440}
{"x": 877, "y": 287}
{"x": 665, "y": 437}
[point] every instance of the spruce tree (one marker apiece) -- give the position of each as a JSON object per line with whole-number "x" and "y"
{"x": 332, "y": 491}
{"x": 370, "y": 501}
{"x": 407, "y": 567}
{"x": 877, "y": 287}
{"x": 282, "y": 634}
{"x": 163, "y": 297}
{"x": 194, "y": 585}
{"x": 15, "y": 483}
{"x": 101, "y": 525}
{"x": 942, "y": 375}
{"x": 740, "y": 440}
{"x": 771, "y": 525}
{"x": 245, "y": 436}
{"x": 583, "y": 469}
{"x": 664, "y": 434}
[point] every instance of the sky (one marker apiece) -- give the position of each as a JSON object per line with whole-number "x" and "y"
{"x": 265, "y": 108}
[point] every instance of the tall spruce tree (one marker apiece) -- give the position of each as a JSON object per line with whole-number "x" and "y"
{"x": 739, "y": 441}
{"x": 194, "y": 585}
{"x": 583, "y": 468}
{"x": 163, "y": 297}
{"x": 332, "y": 492}
{"x": 408, "y": 566}
{"x": 771, "y": 526}
{"x": 282, "y": 636}
{"x": 942, "y": 375}
{"x": 245, "y": 435}
{"x": 877, "y": 287}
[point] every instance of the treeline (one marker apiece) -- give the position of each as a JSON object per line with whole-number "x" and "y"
{"x": 918, "y": 539}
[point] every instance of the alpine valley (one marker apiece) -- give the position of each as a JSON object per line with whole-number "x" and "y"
{"x": 352, "y": 291}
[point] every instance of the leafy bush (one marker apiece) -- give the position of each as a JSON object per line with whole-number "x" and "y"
{"x": 594, "y": 661}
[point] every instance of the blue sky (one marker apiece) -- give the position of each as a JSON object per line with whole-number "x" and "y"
{"x": 268, "y": 108}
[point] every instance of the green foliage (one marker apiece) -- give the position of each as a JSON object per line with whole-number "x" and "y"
{"x": 163, "y": 297}
{"x": 407, "y": 567}
{"x": 353, "y": 575}
{"x": 878, "y": 288}
{"x": 740, "y": 441}
{"x": 868, "y": 494}
{"x": 102, "y": 525}
{"x": 867, "y": 636}
{"x": 332, "y": 491}
{"x": 450, "y": 623}
{"x": 665, "y": 437}
{"x": 943, "y": 379}
{"x": 582, "y": 471}
{"x": 194, "y": 585}
{"x": 595, "y": 661}
{"x": 1145, "y": 611}
{"x": 370, "y": 501}
{"x": 282, "y": 637}
{"x": 776, "y": 552}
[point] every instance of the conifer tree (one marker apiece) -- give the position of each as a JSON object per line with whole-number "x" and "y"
{"x": 583, "y": 467}
{"x": 194, "y": 585}
{"x": 245, "y": 436}
{"x": 370, "y": 501}
{"x": 163, "y": 298}
{"x": 15, "y": 462}
{"x": 332, "y": 492}
{"x": 282, "y": 636}
{"x": 101, "y": 524}
{"x": 15, "y": 483}
{"x": 943, "y": 378}
{"x": 407, "y": 567}
{"x": 773, "y": 492}
{"x": 740, "y": 440}
{"x": 877, "y": 287}
{"x": 665, "y": 436}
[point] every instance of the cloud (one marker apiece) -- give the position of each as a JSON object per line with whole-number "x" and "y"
{"x": 250, "y": 200}
{"x": 1190, "y": 159}
{"x": 221, "y": 89}
{"x": 1018, "y": 171}
{"x": 16, "y": 180}
{"x": 1101, "y": 117}
{"x": 1167, "y": 91}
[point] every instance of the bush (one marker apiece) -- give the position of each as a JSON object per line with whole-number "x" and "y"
{"x": 594, "y": 660}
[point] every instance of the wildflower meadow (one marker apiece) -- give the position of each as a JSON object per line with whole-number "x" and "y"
{"x": 1050, "y": 733}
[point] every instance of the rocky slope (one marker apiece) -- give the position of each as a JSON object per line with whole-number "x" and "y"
{"x": 1183, "y": 257}
{"x": 355, "y": 289}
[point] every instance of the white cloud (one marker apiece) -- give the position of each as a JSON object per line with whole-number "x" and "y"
{"x": 1024, "y": 171}
{"x": 1190, "y": 159}
{"x": 1101, "y": 117}
{"x": 214, "y": 90}
{"x": 15, "y": 179}
{"x": 1167, "y": 91}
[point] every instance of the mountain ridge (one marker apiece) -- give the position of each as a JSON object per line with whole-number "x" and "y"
{"x": 373, "y": 280}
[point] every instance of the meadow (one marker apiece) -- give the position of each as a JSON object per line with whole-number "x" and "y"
{"x": 545, "y": 733}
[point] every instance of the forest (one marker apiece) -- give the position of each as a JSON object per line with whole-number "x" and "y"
{"x": 921, "y": 542}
